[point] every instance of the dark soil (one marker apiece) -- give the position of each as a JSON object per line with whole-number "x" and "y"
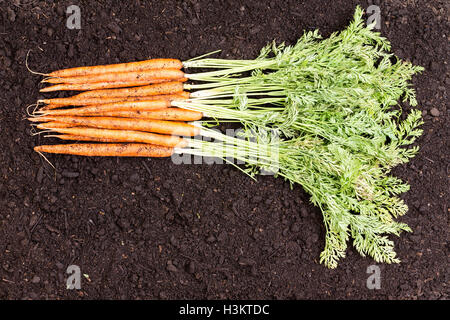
{"x": 150, "y": 229}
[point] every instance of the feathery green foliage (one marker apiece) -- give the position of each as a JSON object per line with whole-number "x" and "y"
{"x": 332, "y": 102}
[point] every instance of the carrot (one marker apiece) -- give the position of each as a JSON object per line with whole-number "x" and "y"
{"x": 150, "y": 90}
{"x": 81, "y": 138}
{"x": 110, "y": 107}
{"x": 158, "y": 126}
{"x": 125, "y": 136}
{"x": 176, "y": 114}
{"x": 143, "y": 75}
{"x": 108, "y": 150}
{"x": 76, "y": 101}
{"x": 103, "y": 85}
{"x": 120, "y": 67}
{"x": 97, "y": 85}
{"x": 53, "y": 124}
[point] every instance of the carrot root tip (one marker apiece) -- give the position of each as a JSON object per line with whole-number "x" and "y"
{"x": 37, "y": 149}
{"x": 32, "y": 114}
{"x": 33, "y": 72}
{"x": 34, "y": 132}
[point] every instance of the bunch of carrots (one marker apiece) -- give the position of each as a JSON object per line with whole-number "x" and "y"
{"x": 125, "y": 108}
{"x": 321, "y": 113}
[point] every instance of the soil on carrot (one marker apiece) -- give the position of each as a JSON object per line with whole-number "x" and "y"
{"x": 152, "y": 229}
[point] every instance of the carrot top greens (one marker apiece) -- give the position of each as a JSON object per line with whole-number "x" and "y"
{"x": 331, "y": 101}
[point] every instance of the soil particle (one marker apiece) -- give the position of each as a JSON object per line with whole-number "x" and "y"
{"x": 174, "y": 241}
{"x": 114, "y": 27}
{"x": 243, "y": 261}
{"x": 11, "y": 14}
{"x": 36, "y": 279}
{"x": 190, "y": 267}
{"x": 70, "y": 174}
{"x": 134, "y": 178}
{"x": 71, "y": 51}
{"x": 304, "y": 212}
{"x": 434, "y": 112}
{"x": 222, "y": 236}
{"x": 170, "y": 267}
{"x": 295, "y": 228}
{"x": 211, "y": 239}
{"x": 40, "y": 175}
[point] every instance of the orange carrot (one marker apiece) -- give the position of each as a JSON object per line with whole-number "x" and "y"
{"x": 99, "y": 109}
{"x": 176, "y": 114}
{"x": 108, "y": 150}
{"x": 133, "y": 76}
{"x": 125, "y": 136}
{"x": 158, "y": 126}
{"x": 54, "y": 124}
{"x": 76, "y": 101}
{"x": 97, "y": 85}
{"x": 120, "y": 67}
{"x": 81, "y": 138}
{"x": 103, "y": 85}
{"x": 150, "y": 90}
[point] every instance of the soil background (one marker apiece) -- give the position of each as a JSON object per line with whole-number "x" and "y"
{"x": 150, "y": 229}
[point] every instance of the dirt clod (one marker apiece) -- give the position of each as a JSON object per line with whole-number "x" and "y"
{"x": 434, "y": 112}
